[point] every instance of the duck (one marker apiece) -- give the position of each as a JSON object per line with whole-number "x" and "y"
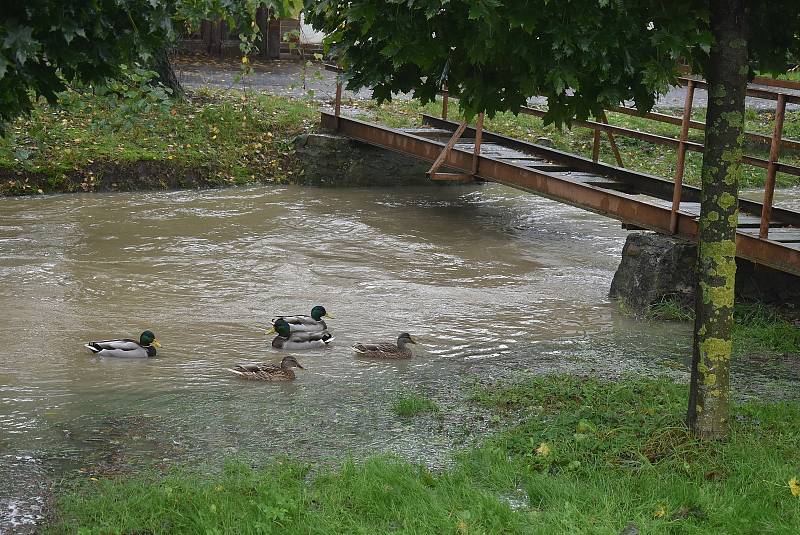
{"x": 264, "y": 371}
{"x": 387, "y": 350}
{"x": 125, "y": 347}
{"x": 286, "y": 339}
{"x": 310, "y": 323}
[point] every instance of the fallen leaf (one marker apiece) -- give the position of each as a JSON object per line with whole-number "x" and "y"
{"x": 660, "y": 512}
{"x": 794, "y": 486}
{"x": 543, "y": 449}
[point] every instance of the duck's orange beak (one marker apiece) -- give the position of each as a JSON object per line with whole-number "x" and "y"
{"x": 156, "y": 343}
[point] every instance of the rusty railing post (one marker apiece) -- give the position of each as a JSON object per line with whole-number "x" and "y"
{"x": 612, "y": 141}
{"x": 337, "y": 107}
{"x": 596, "y": 146}
{"x": 478, "y": 136}
{"x": 680, "y": 165}
{"x": 445, "y": 98}
{"x": 772, "y": 165}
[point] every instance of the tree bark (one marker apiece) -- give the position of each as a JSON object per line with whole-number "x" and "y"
{"x": 716, "y": 266}
{"x": 166, "y": 74}
{"x": 262, "y": 20}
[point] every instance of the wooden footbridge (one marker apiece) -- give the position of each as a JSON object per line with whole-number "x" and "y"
{"x": 767, "y": 237}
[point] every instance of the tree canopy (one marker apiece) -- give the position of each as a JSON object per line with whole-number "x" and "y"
{"x": 494, "y": 54}
{"x": 46, "y": 43}
{"x": 235, "y": 12}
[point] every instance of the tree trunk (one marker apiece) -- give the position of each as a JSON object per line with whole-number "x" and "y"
{"x": 716, "y": 267}
{"x": 166, "y": 74}
{"x": 262, "y": 20}
{"x": 274, "y": 38}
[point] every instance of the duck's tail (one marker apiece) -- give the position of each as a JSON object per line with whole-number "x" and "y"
{"x": 91, "y": 346}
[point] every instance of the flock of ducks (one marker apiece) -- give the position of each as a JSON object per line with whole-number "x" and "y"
{"x": 293, "y": 333}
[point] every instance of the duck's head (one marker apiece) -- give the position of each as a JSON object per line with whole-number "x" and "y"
{"x": 290, "y": 362}
{"x": 147, "y": 338}
{"x": 282, "y": 327}
{"x": 404, "y": 339}
{"x": 319, "y": 312}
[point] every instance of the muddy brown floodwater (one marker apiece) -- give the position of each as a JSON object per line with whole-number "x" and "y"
{"x": 491, "y": 282}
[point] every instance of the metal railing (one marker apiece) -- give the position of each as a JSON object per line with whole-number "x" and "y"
{"x": 762, "y": 88}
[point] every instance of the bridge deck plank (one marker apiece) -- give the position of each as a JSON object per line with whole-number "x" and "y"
{"x": 789, "y": 234}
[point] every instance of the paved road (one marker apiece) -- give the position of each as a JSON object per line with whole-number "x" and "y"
{"x": 285, "y": 77}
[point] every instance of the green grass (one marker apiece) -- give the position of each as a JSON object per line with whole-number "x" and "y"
{"x": 236, "y": 138}
{"x": 413, "y": 404}
{"x": 229, "y": 137}
{"x": 758, "y": 328}
{"x": 573, "y": 456}
{"x": 669, "y": 309}
{"x": 636, "y": 154}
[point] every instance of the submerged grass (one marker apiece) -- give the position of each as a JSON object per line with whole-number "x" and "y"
{"x": 573, "y": 456}
{"x": 758, "y": 328}
{"x": 412, "y": 404}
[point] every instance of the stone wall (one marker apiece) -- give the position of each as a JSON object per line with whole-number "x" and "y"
{"x": 655, "y": 267}
{"x": 331, "y": 160}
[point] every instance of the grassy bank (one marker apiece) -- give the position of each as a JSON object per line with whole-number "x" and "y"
{"x": 130, "y": 136}
{"x": 113, "y": 142}
{"x": 570, "y": 455}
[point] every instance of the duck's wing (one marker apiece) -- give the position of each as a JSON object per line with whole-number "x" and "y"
{"x": 124, "y": 344}
{"x": 381, "y": 347}
{"x": 138, "y": 353}
{"x": 249, "y": 369}
{"x": 304, "y": 341}
{"x": 319, "y": 336}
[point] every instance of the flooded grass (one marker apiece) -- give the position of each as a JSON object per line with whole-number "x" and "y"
{"x": 411, "y": 404}
{"x": 572, "y": 456}
{"x": 758, "y": 328}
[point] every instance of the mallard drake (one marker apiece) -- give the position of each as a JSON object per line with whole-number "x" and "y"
{"x": 387, "y": 350}
{"x": 125, "y": 347}
{"x": 286, "y": 339}
{"x": 310, "y": 323}
{"x": 268, "y": 372}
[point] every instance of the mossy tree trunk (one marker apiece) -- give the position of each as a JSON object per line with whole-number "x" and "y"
{"x": 716, "y": 267}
